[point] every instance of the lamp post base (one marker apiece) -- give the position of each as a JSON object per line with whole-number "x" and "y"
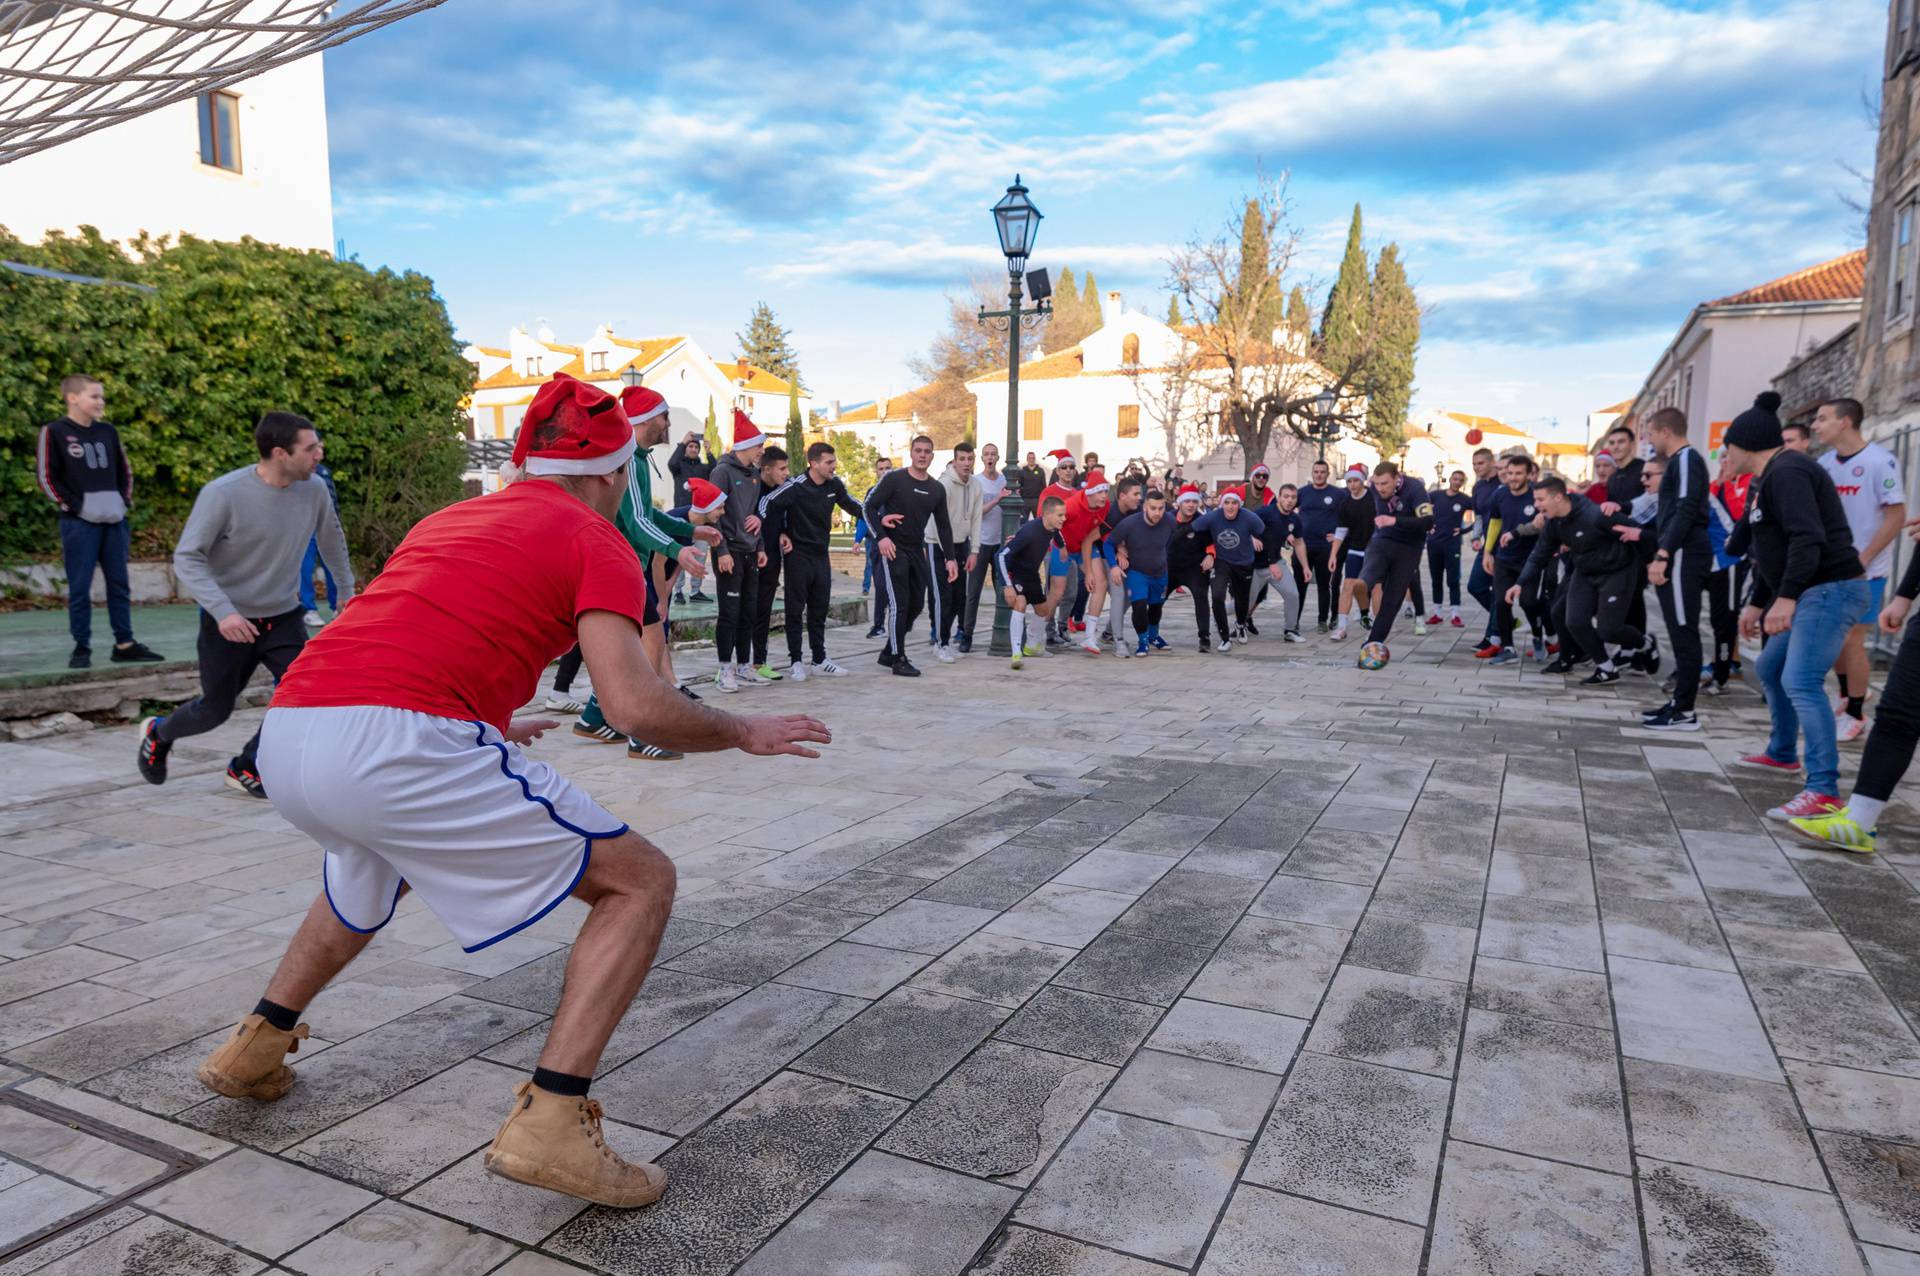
{"x": 1013, "y": 512}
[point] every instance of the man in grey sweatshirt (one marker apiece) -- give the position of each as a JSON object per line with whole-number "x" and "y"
{"x": 240, "y": 558}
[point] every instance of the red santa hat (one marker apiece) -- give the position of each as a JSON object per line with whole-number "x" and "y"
{"x": 1060, "y": 456}
{"x": 703, "y": 497}
{"x": 572, "y": 428}
{"x": 1356, "y": 471}
{"x": 1261, "y": 469}
{"x": 1189, "y": 493}
{"x": 1096, "y": 481}
{"x": 1233, "y": 494}
{"x": 641, "y": 404}
{"x": 745, "y": 433}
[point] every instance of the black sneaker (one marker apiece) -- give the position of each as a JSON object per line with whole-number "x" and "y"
{"x": 904, "y": 668}
{"x": 247, "y": 781}
{"x": 700, "y": 596}
{"x": 1366, "y": 620}
{"x": 1055, "y": 640}
{"x": 1323, "y": 626}
{"x": 688, "y": 692}
{"x": 1654, "y": 713}
{"x": 1205, "y": 646}
{"x": 1252, "y": 628}
{"x": 1601, "y": 678}
{"x": 875, "y": 632}
{"x": 1672, "y": 718}
{"x": 886, "y": 657}
{"x": 963, "y": 644}
{"x": 1560, "y": 665}
{"x": 602, "y": 734}
{"x": 153, "y": 753}
{"x": 82, "y": 658}
{"x": 136, "y": 652}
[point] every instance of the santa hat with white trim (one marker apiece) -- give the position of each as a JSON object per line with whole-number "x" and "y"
{"x": 572, "y": 428}
{"x": 1060, "y": 456}
{"x": 1189, "y": 493}
{"x": 1233, "y": 494}
{"x": 641, "y": 404}
{"x": 1096, "y": 481}
{"x": 745, "y": 433}
{"x": 1261, "y": 469}
{"x": 703, "y": 497}
{"x": 1357, "y": 471}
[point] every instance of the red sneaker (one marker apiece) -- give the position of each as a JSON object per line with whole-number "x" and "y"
{"x": 1487, "y": 653}
{"x": 1458, "y": 623}
{"x": 1808, "y": 805}
{"x": 1553, "y": 649}
{"x": 1761, "y": 762}
{"x": 1434, "y": 619}
{"x": 1077, "y": 626}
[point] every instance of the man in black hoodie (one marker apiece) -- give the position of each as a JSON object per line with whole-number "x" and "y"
{"x": 897, "y": 510}
{"x": 1682, "y": 559}
{"x": 1599, "y": 585}
{"x": 737, "y": 558}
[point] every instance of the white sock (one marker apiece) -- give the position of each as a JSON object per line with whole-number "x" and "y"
{"x": 1606, "y": 666}
{"x": 1865, "y": 810}
{"x": 1017, "y": 631}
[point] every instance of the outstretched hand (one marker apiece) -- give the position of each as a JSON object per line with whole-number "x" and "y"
{"x": 770, "y": 735}
{"x": 527, "y": 730}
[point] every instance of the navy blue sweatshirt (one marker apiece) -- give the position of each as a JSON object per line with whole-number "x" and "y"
{"x": 1232, "y": 539}
{"x": 1320, "y": 512}
{"x": 1449, "y": 517}
{"x": 1412, "y": 513}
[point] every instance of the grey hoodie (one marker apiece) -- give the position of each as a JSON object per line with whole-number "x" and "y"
{"x": 740, "y": 483}
{"x": 963, "y": 510}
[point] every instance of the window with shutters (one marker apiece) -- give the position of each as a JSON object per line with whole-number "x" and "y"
{"x": 1129, "y": 420}
{"x": 1130, "y": 350}
{"x": 1030, "y": 424}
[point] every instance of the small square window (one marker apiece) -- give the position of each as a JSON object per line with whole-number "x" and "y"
{"x": 1030, "y": 424}
{"x": 599, "y": 361}
{"x": 220, "y": 131}
{"x": 1900, "y": 266}
{"x": 1129, "y": 421}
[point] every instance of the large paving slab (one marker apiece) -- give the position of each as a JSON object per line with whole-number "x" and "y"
{"x": 1250, "y": 965}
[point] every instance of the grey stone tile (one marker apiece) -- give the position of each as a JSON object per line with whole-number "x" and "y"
{"x": 393, "y": 1240}
{"x": 1826, "y": 948}
{"x": 1126, "y": 872}
{"x": 528, "y": 1214}
{"x": 994, "y": 968}
{"x": 257, "y": 1202}
{"x": 1677, "y": 931}
{"x": 687, "y": 1078}
{"x": 38, "y": 1203}
{"x": 28, "y": 938}
{"x": 1832, "y": 1016}
{"x": 1386, "y": 942}
{"x": 1021, "y": 1251}
{"x": 1272, "y": 965}
{"x": 1891, "y": 1262}
{"x": 1161, "y": 833}
{"x": 1003, "y": 876}
{"x": 1562, "y": 835}
{"x": 1720, "y": 1122}
{"x": 1398, "y": 1020}
{"x": 1190, "y": 908}
{"x": 363, "y": 1000}
{"x": 1541, "y": 877}
{"x": 195, "y": 964}
{"x": 1249, "y": 862}
{"x": 905, "y": 1042}
{"x": 1134, "y": 968}
{"x": 668, "y": 1002}
{"x": 1875, "y": 1181}
{"x": 1136, "y": 1186}
{"x": 94, "y": 1163}
{"x": 1308, "y": 899}
{"x": 855, "y": 970}
{"x": 1544, "y": 931}
{"x": 945, "y": 850}
{"x": 1444, "y": 893}
{"x": 1069, "y": 916}
{"x": 52, "y": 969}
{"x": 1355, "y": 1134}
{"x": 142, "y": 1245}
{"x": 735, "y": 1182}
{"x": 1341, "y": 856}
{"x": 1081, "y": 1024}
{"x": 45, "y": 1014}
{"x": 351, "y": 1077}
{"x": 120, "y": 1117}
{"x": 1491, "y": 1212}
{"x": 863, "y": 892}
{"x": 1544, "y": 1088}
{"x": 1196, "y": 1093}
{"x": 1001, "y": 1113}
{"x": 1855, "y": 1102}
{"x": 730, "y": 903}
{"x": 1695, "y": 1018}
{"x": 762, "y": 948}
{"x": 1700, "y": 1221}
{"x": 922, "y": 926}
{"x": 165, "y": 1082}
{"x": 886, "y": 1216}
{"x": 1229, "y": 1034}
{"x": 394, "y": 1145}
{"x": 1264, "y": 1232}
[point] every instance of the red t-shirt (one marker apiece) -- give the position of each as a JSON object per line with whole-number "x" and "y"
{"x": 479, "y": 598}
{"x": 1060, "y": 490}
{"x": 1082, "y": 519}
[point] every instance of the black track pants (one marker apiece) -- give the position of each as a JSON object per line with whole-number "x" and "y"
{"x": 809, "y": 589}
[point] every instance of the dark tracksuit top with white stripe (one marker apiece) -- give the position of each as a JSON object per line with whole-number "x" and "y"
{"x": 919, "y": 499}
{"x": 808, "y": 507}
{"x": 1683, "y": 504}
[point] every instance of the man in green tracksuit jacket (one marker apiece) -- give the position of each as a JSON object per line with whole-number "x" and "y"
{"x": 650, "y": 531}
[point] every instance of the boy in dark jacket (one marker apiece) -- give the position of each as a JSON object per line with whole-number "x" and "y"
{"x": 737, "y": 557}
{"x": 1599, "y": 583}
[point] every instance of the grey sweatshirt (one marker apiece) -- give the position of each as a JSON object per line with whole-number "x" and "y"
{"x": 241, "y": 551}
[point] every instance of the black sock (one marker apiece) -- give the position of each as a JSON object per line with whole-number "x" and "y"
{"x": 278, "y": 1015}
{"x": 1856, "y": 706}
{"x": 561, "y": 1083}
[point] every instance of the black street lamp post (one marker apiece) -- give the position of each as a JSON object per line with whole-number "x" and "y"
{"x": 1325, "y": 428}
{"x": 630, "y": 377}
{"x": 1018, "y": 223}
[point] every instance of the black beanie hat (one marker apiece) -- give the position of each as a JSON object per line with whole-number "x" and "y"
{"x": 1758, "y": 428}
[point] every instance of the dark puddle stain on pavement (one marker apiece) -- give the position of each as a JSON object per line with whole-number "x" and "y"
{"x": 1880, "y": 913}
{"x": 1386, "y": 1020}
{"x": 1718, "y": 1239}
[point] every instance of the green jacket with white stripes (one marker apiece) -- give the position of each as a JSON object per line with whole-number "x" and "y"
{"x": 650, "y": 531}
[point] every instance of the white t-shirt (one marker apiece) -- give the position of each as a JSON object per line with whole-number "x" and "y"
{"x": 990, "y": 521}
{"x": 1868, "y": 482}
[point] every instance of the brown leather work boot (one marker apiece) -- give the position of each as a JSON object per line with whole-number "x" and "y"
{"x": 554, "y": 1141}
{"x": 250, "y": 1063}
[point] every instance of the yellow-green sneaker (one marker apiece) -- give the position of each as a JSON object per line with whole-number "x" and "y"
{"x": 1016, "y": 660}
{"x": 1035, "y": 651}
{"x": 1839, "y": 831}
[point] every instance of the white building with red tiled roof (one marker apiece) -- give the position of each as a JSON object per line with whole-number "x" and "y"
{"x": 1729, "y": 350}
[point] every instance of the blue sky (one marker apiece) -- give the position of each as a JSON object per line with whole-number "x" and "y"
{"x": 1565, "y": 181}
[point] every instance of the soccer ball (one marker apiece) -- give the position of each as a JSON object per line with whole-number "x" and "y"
{"x": 1374, "y": 656}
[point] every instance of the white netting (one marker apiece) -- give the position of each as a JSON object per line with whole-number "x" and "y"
{"x": 68, "y": 67}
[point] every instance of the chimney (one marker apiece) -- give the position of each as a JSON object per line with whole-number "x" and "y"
{"x": 743, "y": 371}
{"x": 1114, "y": 307}
{"x": 833, "y": 411}
{"x": 882, "y": 405}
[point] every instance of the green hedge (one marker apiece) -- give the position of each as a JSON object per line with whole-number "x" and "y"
{"x": 231, "y": 331}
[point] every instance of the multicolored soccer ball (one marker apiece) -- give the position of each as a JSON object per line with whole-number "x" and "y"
{"x": 1375, "y": 656}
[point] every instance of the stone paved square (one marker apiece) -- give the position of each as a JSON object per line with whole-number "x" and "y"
{"x": 985, "y": 989}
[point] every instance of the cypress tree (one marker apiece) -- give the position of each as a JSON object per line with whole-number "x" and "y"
{"x": 1389, "y": 381}
{"x": 1090, "y": 300}
{"x": 796, "y": 436}
{"x": 1256, "y": 287}
{"x": 1065, "y": 327}
{"x": 713, "y": 433}
{"x": 1299, "y": 317}
{"x": 1173, "y": 312}
{"x": 1345, "y": 323}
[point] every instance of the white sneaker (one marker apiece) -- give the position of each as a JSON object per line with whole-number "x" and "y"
{"x": 1340, "y": 633}
{"x": 748, "y": 676}
{"x": 1847, "y": 728}
{"x": 797, "y": 672}
{"x": 1226, "y": 645}
{"x": 1123, "y": 651}
{"x": 944, "y": 655}
{"x": 828, "y": 668}
{"x": 1419, "y": 629}
{"x": 558, "y": 703}
{"x": 726, "y": 681}
{"x": 313, "y": 620}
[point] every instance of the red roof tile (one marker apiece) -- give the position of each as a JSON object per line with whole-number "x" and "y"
{"x": 1842, "y": 279}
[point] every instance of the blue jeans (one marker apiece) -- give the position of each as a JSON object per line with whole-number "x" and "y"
{"x": 866, "y": 577}
{"x": 307, "y": 565}
{"x": 1793, "y": 668}
{"x": 84, "y": 546}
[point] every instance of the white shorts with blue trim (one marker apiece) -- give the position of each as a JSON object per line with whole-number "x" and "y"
{"x": 491, "y": 839}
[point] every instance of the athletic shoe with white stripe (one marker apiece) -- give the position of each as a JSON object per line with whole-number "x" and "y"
{"x": 561, "y": 703}
{"x": 1839, "y": 830}
{"x": 602, "y": 734}
{"x": 726, "y": 681}
{"x": 1847, "y": 728}
{"x": 1807, "y": 806}
{"x": 797, "y": 671}
{"x": 828, "y": 668}
{"x": 944, "y": 654}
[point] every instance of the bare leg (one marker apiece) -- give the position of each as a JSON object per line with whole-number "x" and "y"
{"x": 629, "y": 886}
{"x": 321, "y": 949}
{"x": 1852, "y": 666}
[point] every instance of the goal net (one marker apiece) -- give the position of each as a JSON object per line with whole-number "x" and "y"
{"x": 69, "y": 67}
